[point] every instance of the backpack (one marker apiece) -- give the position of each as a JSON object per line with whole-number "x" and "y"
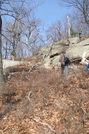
{"x": 66, "y": 60}
{"x": 87, "y": 67}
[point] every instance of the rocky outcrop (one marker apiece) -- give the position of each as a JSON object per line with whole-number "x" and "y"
{"x": 74, "y": 47}
{"x": 76, "y": 51}
{"x": 52, "y": 50}
{"x": 50, "y": 54}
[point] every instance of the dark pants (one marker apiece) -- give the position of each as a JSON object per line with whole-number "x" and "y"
{"x": 64, "y": 70}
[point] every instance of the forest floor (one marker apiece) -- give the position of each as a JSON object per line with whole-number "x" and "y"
{"x": 39, "y": 101}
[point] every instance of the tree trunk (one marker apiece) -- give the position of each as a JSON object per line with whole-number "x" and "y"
{"x": 6, "y": 51}
{"x": 2, "y": 82}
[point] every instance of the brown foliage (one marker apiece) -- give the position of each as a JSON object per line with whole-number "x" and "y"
{"x": 41, "y": 102}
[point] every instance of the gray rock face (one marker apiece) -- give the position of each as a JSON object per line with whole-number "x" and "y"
{"x": 10, "y": 63}
{"x": 76, "y": 51}
{"x": 74, "y": 47}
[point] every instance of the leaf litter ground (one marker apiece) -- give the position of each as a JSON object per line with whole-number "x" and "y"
{"x": 43, "y": 102}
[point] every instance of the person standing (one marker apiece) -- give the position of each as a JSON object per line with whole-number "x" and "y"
{"x": 64, "y": 64}
{"x": 13, "y": 55}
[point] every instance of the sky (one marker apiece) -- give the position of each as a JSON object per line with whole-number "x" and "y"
{"x": 51, "y": 11}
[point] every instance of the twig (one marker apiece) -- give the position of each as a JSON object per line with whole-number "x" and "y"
{"x": 28, "y": 78}
{"x": 84, "y": 111}
{"x": 33, "y": 67}
{"x": 45, "y": 124}
{"x": 29, "y": 95}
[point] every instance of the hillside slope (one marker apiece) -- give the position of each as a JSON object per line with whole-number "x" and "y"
{"x": 39, "y": 101}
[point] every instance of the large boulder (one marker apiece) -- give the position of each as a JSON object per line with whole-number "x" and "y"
{"x": 73, "y": 41}
{"x": 74, "y": 47}
{"x": 52, "y": 50}
{"x": 50, "y": 54}
{"x": 76, "y": 51}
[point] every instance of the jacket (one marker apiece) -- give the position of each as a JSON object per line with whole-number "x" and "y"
{"x": 61, "y": 60}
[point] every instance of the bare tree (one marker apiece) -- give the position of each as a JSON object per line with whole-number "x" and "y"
{"x": 78, "y": 23}
{"x": 68, "y": 22}
{"x": 54, "y": 32}
{"x": 23, "y": 39}
{"x": 81, "y": 5}
{"x": 12, "y": 9}
{"x": 32, "y": 33}
{"x": 1, "y": 67}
